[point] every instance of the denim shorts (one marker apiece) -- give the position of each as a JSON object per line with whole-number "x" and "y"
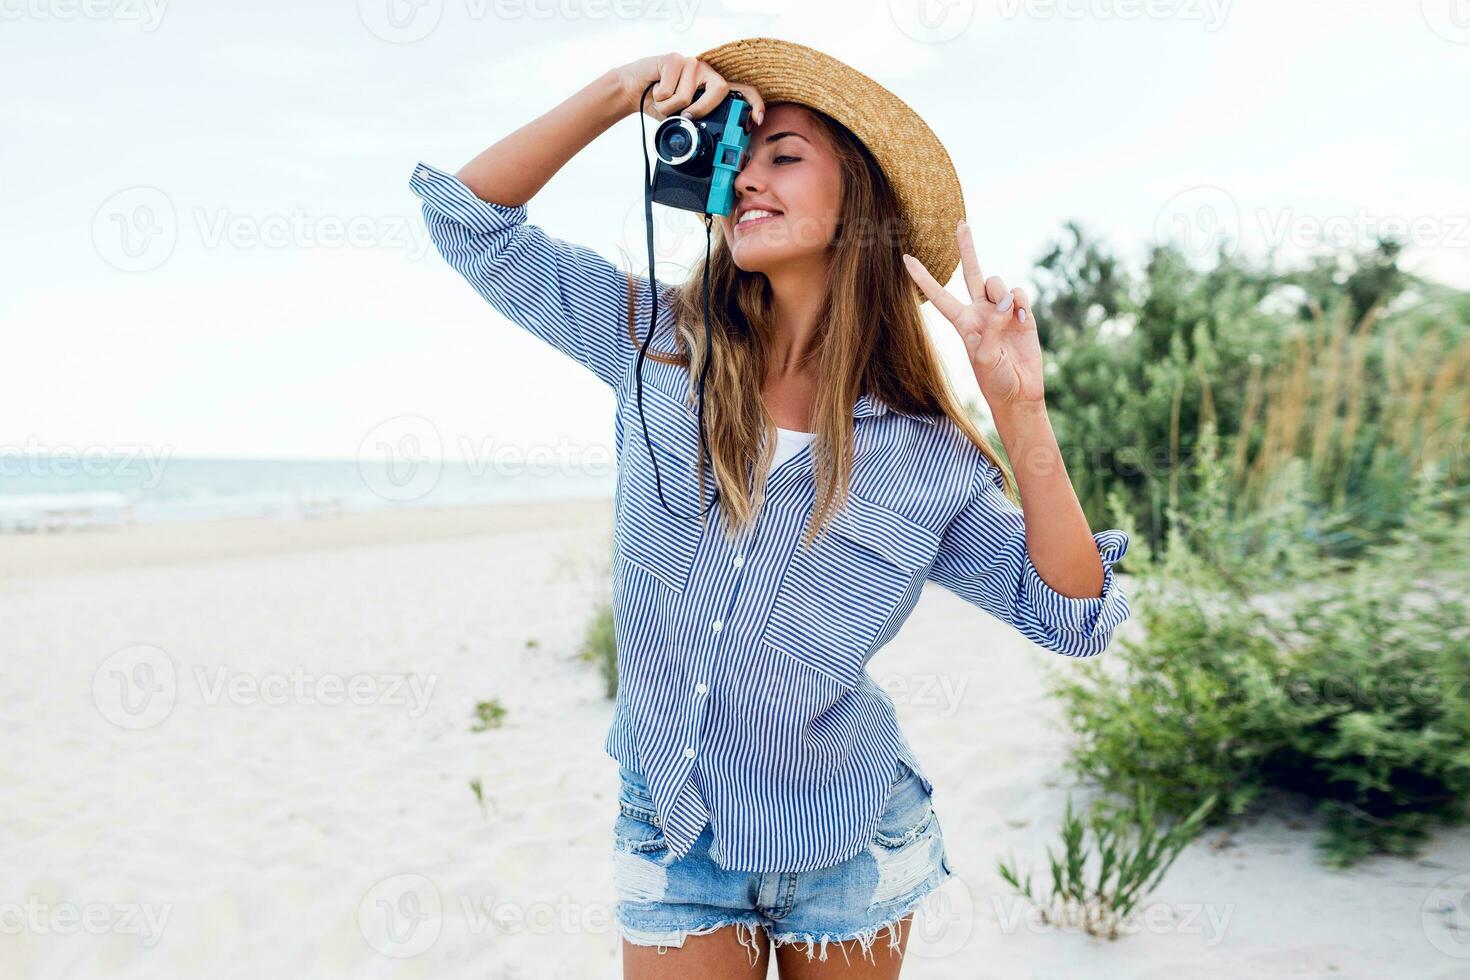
{"x": 662, "y": 901}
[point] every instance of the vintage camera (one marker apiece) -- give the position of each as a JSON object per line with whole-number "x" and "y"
{"x": 699, "y": 158}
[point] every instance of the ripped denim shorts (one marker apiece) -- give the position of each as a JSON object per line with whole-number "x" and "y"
{"x": 661, "y": 902}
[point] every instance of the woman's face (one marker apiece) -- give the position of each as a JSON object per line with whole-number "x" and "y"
{"x": 790, "y": 171}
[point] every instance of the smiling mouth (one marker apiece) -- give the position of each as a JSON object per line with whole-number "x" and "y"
{"x": 755, "y": 221}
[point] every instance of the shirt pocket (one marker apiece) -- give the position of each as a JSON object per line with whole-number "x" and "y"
{"x": 647, "y": 535}
{"x": 839, "y": 596}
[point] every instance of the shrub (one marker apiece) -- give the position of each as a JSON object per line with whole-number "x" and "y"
{"x": 1348, "y": 686}
{"x": 600, "y": 647}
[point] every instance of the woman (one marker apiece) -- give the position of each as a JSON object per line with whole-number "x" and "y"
{"x": 767, "y": 794}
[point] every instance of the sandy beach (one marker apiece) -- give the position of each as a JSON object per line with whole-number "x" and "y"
{"x": 243, "y": 748}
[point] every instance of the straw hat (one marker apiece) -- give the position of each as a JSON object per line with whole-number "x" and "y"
{"x": 910, "y": 155}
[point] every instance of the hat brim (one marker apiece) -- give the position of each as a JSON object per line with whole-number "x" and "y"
{"x": 911, "y": 156}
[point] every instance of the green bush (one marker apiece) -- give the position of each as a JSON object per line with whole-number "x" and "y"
{"x": 1132, "y": 855}
{"x": 1351, "y": 368}
{"x": 1348, "y": 685}
{"x": 600, "y": 647}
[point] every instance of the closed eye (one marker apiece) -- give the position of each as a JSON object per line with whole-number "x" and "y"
{"x": 783, "y": 156}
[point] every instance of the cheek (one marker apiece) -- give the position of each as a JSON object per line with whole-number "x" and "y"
{"x": 820, "y": 206}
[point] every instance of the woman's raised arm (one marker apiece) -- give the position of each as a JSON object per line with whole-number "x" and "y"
{"x": 566, "y": 294}
{"x": 512, "y": 170}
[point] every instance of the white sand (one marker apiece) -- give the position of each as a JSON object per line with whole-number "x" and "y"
{"x": 252, "y": 830}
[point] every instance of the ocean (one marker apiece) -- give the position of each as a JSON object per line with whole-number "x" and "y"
{"x": 37, "y": 492}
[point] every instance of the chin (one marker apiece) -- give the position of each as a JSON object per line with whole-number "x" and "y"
{"x": 754, "y": 256}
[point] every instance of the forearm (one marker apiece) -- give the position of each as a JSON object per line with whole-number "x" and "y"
{"x": 512, "y": 170}
{"x": 1058, "y": 537}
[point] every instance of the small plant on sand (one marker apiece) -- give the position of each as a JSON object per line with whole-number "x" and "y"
{"x": 1132, "y": 855}
{"x": 488, "y": 714}
{"x": 600, "y": 647}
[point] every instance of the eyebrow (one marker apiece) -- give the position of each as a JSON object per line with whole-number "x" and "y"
{"x": 775, "y": 136}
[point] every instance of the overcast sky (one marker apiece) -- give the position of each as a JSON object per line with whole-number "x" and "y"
{"x": 177, "y": 179}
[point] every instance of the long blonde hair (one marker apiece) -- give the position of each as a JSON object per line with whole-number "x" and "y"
{"x": 872, "y": 340}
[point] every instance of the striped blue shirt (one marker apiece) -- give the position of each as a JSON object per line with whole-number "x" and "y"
{"x": 744, "y": 697}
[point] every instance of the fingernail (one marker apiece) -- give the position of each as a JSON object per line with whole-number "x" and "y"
{"x": 1021, "y": 314}
{"x": 686, "y": 114}
{"x": 1005, "y": 304}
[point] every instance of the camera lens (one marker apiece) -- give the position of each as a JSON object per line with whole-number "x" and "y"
{"x": 678, "y": 141}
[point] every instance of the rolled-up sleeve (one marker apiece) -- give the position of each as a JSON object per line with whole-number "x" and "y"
{"x": 566, "y": 294}
{"x": 983, "y": 559}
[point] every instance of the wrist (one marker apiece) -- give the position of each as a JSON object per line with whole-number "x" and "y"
{"x": 613, "y": 96}
{"x": 1020, "y": 412}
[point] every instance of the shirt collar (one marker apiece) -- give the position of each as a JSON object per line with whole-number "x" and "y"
{"x": 867, "y": 406}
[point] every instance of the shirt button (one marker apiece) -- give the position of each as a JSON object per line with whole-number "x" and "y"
{"x": 689, "y": 752}
{"x": 700, "y": 688}
{"x": 738, "y": 560}
{"x": 715, "y": 625}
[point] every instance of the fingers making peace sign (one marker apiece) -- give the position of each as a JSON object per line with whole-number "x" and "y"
{"x": 997, "y": 327}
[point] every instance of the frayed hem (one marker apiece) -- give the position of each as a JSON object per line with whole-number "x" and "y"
{"x": 675, "y": 938}
{"x": 866, "y": 938}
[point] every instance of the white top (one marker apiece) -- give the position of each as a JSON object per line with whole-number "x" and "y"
{"x": 789, "y": 443}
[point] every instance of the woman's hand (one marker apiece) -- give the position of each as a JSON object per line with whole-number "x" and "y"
{"x": 997, "y": 327}
{"x": 677, "y": 77}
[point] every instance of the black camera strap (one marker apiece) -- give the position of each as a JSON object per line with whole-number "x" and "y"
{"x": 653, "y": 314}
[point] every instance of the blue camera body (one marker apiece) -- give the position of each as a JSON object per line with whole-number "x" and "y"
{"x": 699, "y": 158}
